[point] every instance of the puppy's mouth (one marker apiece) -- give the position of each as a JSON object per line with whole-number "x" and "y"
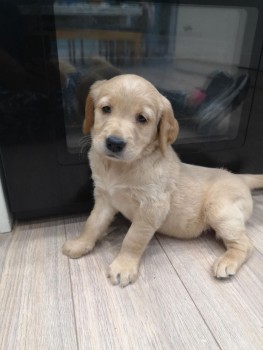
{"x": 125, "y": 157}
{"x": 114, "y": 156}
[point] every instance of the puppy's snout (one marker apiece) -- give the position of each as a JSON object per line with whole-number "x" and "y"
{"x": 115, "y": 144}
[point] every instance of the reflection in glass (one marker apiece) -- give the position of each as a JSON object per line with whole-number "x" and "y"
{"x": 192, "y": 54}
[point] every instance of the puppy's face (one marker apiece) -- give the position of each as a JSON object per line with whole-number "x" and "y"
{"x": 127, "y": 116}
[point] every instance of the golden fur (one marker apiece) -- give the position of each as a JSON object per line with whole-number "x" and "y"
{"x": 150, "y": 186}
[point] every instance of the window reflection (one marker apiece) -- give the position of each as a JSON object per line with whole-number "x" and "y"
{"x": 192, "y": 54}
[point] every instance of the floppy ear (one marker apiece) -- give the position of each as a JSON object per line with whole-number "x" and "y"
{"x": 89, "y": 115}
{"x": 89, "y": 107}
{"x": 168, "y": 126}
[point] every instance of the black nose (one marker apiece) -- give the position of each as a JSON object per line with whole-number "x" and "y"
{"x": 115, "y": 144}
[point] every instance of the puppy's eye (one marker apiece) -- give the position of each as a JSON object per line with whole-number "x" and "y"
{"x": 106, "y": 109}
{"x": 141, "y": 119}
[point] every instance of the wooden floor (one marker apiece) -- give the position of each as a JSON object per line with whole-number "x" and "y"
{"x": 51, "y": 302}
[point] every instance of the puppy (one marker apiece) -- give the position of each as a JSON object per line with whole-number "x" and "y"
{"x": 136, "y": 172}
{"x": 98, "y": 69}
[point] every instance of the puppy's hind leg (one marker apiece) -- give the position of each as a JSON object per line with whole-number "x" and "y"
{"x": 238, "y": 251}
{"x": 229, "y": 225}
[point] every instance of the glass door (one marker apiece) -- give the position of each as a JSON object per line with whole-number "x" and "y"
{"x": 198, "y": 56}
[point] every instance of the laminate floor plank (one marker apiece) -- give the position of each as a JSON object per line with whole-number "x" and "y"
{"x": 51, "y": 302}
{"x": 255, "y": 224}
{"x": 36, "y": 309}
{"x": 154, "y": 313}
{"x": 233, "y": 308}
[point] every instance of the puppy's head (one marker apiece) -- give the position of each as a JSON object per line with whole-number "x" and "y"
{"x": 128, "y": 118}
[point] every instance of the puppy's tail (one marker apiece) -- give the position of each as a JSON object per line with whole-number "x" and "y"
{"x": 252, "y": 181}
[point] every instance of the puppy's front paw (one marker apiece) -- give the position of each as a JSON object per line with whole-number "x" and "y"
{"x": 123, "y": 272}
{"x": 75, "y": 248}
{"x": 225, "y": 267}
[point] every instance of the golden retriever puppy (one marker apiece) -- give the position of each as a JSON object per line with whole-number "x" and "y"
{"x": 136, "y": 172}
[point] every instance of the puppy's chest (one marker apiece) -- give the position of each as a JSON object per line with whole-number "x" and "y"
{"x": 121, "y": 190}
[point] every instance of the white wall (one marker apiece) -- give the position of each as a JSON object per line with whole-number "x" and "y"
{"x": 5, "y": 217}
{"x": 210, "y": 34}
